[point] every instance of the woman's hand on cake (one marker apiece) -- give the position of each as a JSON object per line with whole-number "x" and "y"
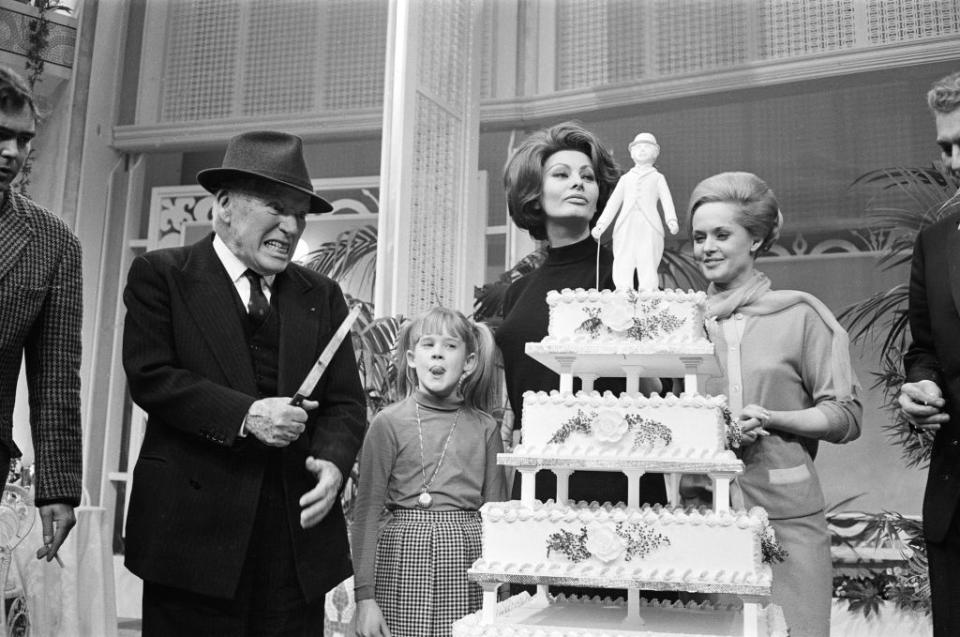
{"x": 370, "y": 622}
{"x": 753, "y": 420}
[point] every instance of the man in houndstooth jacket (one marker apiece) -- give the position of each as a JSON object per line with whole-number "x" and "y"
{"x": 40, "y": 315}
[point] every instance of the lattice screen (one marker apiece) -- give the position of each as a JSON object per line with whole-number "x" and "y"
{"x": 581, "y": 44}
{"x": 698, "y": 35}
{"x": 239, "y": 58}
{"x": 901, "y": 20}
{"x": 789, "y": 28}
{"x": 200, "y": 65}
{"x": 604, "y": 42}
{"x": 441, "y": 100}
{"x": 284, "y": 44}
{"x": 356, "y": 45}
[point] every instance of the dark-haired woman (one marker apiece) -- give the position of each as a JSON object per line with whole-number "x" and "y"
{"x": 788, "y": 379}
{"x": 556, "y": 181}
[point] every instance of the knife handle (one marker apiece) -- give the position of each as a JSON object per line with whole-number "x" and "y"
{"x": 297, "y": 400}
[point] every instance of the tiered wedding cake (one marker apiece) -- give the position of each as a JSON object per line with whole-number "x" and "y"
{"x": 634, "y": 335}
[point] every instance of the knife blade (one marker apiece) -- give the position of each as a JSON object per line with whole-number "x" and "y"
{"x": 313, "y": 377}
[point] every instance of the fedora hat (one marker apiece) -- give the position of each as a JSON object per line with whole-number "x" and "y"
{"x": 276, "y": 157}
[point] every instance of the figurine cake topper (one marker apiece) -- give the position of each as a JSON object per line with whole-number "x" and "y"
{"x": 638, "y": 231}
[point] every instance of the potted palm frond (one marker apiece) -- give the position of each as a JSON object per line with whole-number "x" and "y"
{"x": 902, "y": 201}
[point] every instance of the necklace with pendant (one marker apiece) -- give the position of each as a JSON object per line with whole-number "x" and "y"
{"x": 426, "y": 500}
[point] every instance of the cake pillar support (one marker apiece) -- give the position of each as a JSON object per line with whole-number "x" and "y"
{"x": 566, "y": 362}
{"x": 671, "y": 483}
{"x": 587, "y": 380}
{"x": 633, "y": 486}
{"x": 563, "y": 484}
{"x": 528, "y": 485}
{"x": 751, "y": 619}
{"x": 542, "y": 598}
{"x": 690, "y": 366}
{"x": 488, "y": 613}
{"x": 721, "y": 492}
{"x": 633, "y": 607}
{"x": 632, "y": 372}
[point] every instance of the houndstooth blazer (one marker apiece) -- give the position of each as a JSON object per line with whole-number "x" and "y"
{"x": 40, "y": 318}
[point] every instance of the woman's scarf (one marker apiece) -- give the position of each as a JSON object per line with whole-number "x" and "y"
{"x": 755, "y": 298}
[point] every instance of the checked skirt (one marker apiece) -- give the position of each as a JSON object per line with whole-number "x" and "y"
{"x": 421, "y": 571}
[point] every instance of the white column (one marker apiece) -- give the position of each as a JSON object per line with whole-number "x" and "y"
{"x": 488, "y": 613}
{"x": 751, "y": 619}
{"x": 428, "y": 228}
{"x": 528, "y": 485}
{"x": 563, "y": 484}
{"x": 586, "y": 381}
{"x": 633, "y": 486}
{"x": 721, "y": 492}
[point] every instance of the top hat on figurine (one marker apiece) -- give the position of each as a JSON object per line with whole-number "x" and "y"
{"x": 644, "y": 138}
{"x": 276, "y": 157}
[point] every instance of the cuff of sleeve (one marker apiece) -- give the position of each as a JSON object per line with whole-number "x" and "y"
{"x": 363, "y": 592}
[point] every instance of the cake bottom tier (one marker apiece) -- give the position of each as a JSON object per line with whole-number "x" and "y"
{"x": 524, "y": 615}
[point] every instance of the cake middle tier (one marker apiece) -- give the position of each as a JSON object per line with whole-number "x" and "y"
{"x": 654, "y": 548}
{"x": 590, "y": 427}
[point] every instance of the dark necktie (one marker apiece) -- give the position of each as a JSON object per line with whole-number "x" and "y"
{"x": 258, "y": 305}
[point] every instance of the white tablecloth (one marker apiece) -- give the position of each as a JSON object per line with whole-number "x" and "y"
{"x": 78, "y": 599}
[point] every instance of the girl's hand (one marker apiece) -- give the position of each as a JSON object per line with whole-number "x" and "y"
{"x": 370, "y": 622}
{"x": 752, "y": 421}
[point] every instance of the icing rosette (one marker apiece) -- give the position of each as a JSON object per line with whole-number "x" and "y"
{"x": 610, "y": 426}
{"x": 617, "y": 316}
{"x": 603, "y": 543}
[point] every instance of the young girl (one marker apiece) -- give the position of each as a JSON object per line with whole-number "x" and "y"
{"x": 429, "y": 460}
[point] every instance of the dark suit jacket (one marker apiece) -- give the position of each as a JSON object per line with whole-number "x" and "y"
{"x": 934, "y": 354}
{"x": 196, "y": 482}
{"x": 40, "y": 317}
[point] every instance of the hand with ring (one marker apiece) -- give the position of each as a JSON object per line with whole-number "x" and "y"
{"x": 753, "y": 421}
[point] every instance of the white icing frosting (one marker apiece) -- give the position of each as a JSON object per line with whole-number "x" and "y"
{"x": 526, "y": 616}
{"x": 686, "y": 549}
{"x": 666, "y": 321}
{"x": 686, "y": 427}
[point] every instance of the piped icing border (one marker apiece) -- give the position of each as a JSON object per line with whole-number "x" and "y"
{"x": 755, "y": 579}
{"x": 472, "y": 626}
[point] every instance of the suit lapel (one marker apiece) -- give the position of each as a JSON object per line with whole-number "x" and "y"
{"x": 15, "y": 233}
{"x": 211, "y": 298}
{"x": 298, "y": 329}
{"x": 953, "y": 264}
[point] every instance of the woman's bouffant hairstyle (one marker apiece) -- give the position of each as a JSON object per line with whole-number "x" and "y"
{"x": 944, "y": 96}
{"x": 759, "y": 210}
{"x": 523, "y": 175}
{"x": 479, "y": 388}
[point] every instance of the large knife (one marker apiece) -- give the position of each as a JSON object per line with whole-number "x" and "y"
{"x": 306, "y": 388}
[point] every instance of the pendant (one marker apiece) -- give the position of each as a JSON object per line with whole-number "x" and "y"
{"x": 425, "y": 500}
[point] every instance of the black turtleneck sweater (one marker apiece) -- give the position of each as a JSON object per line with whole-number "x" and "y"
{"x": 526, "y": 316}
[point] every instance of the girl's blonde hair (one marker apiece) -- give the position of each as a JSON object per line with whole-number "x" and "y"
{"x": 479, "y": 387}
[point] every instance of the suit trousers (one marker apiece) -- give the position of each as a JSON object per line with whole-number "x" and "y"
{"x": 269, "y": 599}
{"x": 943, "y": 561}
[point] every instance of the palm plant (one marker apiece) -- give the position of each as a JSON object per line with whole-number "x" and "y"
{"x": 903, "y": 201}
{"x": 353, "y": 254}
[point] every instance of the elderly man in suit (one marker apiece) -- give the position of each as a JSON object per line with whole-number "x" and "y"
{"x": 235, "y": 522}
{"x": 40, "y": 316}
{"x": 930, "y": 399}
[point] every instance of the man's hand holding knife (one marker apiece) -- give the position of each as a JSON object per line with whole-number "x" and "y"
{"x": 279, "y": 421}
